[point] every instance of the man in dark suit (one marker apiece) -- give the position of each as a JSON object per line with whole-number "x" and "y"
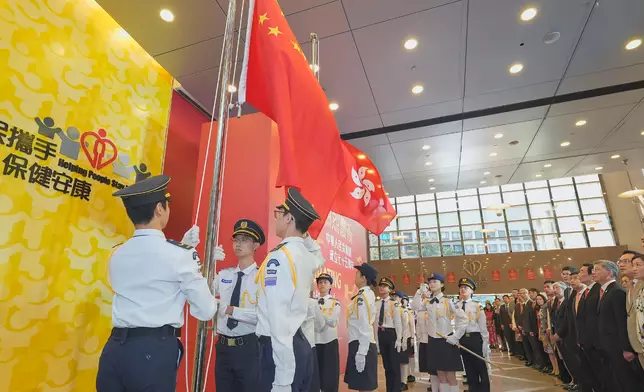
{"x": 588, "y": 331}
{"x": 506, "y": 324}
{"x": 530, "y": 331}
{"x": 559, "y": 326}
{"x": 617, "y": 353}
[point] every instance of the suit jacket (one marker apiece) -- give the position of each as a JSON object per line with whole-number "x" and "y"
{"x": 518, "y": 315}
{"x": 586, "y": 318}
{"x": 571, "y": 319}
{"x": 631, "y": 312}
{"x": 553, "y": 315}
{"x": 612, "y": 320}
{"x": 529, "y": 319}
{"x": 561, "y": 325}
{"x": 505, "y": 316}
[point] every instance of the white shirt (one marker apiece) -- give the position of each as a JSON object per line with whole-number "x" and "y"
{"x": 152, "y": 279}
{"x": 421, "y": 326}
{"x": 440, "y": 314}
{"x": 246, "y": 312}
{"x": 404, "y": 318}
{"x": 361, "y": 317}
{"x": 605, "y": 285}
{"x": 392, "y": 319}
{"x": 331, "y": 311}
{"x": 313, "y": 322}
{"x": 472, "y": 319}
{"x": 420, "y": 304}
{"x": 283, "y": 302}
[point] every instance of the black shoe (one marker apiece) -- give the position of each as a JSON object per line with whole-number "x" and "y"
{"x": 547, "y": 369}
{"x": 404, "y": 387}
{"x": 527, "y": 364}
{"x": 411, "y": 378}
{"x": 429, "y": 388}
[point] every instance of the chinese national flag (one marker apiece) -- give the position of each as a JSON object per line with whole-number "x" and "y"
{"x": 362, "y": 196}
{"x": 280, "y": 84}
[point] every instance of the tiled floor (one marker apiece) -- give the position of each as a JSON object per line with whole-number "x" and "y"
{"x": 513, "y": 378}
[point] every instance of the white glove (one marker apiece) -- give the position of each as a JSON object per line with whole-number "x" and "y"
{"x": 404, "y": 345}
{"x": 452, "y": 340}
{"x": 191, "y": 237}
{"x": 486, "y": 350}
{"x": 361, "y": 361}
{"x": 219, "y": 253}
{"x": 281, "y": 388}
{"x": 398, "y": 345}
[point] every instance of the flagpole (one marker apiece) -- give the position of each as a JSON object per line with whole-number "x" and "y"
{"x": 315, "y": 55}
{"x": 214, "y": 212}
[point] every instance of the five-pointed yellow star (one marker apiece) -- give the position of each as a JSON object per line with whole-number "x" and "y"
{"x": 274, "y": 31}
{"x": 263, "y": 18}
{"x": 296, "y": 46}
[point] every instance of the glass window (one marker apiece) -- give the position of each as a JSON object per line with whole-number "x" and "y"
{"x": 407, "y": 223}
{"x": 541, "y": 211}
{"x": 446, "y": 205}
{"x": 512, "y": 187}
{"x": 466, "y": 192}
{"x": 405, "y": 199}
{"x": 392, "y": 226}
{"x": 569, "y": 224}
{"x": 528, "y": 247}
{"x": 493, "y": 199}
{"x": 593, "y": 189}
{"x": 573, "y": 240}
{"x": 430, "y": 250}
{"x": 538, "y": 195}
{"x": 604, "y": 222}
{"x": 593, "y": 206}
{"x": 426, "y": 207}
{"x": 493, "y": 248}
{"x": 522, "y": 228}
{"x": 474, "y": 247}
{"x": 536, "y": 184}
{"x": 588, "y": 178}
{"x": 374, "y": 254}
{"x": 470, "y": 217}
{"x": 501, "y": 244}
{"x": 452, "y": 248}
{"x": 406, "y": 209}
{"x": 425, "y": 221}
{"x": 408, "y": 237}
{"x": 547, "y": 242}
{"x": 561, "y": 181}
{"x": 517, "y": 248}
{"x": 566, "y": 208}
{"x": 389, "y": 252}
{"x": 388, "y": 238}
{"x": 409, "y": 251}
{"x": 468, "y": 203}
{"x": 514, "y": 198}
{"x": 489, "y": 189}
{"x": 544, "y": 226}
{"x": 427, "y": 196}
{"x": 429, "y": 235}
{"x": 448, "y": 219}
{"x": 601, "y": 238}
{"x": 516, "y": 213}
{"x": 469, "y": 232}
{"x": 563, "y": 192}
{"x": 499, "y": 227}
{"x": 492, "y": 216}
{"x": 521, "y": 244}
{"x": 450, "y": 233}
{"x": 444, "y": 195}
{"x": 373, "y": 240}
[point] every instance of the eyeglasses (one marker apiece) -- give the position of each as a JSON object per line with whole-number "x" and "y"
{"x": 242, "y": 240}
{"x": 277, "y": 213}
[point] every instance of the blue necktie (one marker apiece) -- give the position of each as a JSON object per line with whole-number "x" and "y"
{"x": 234, "y": 301}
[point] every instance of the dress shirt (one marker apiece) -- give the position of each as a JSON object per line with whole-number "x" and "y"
{"x": 440, "y": 315}
{"x": 246, "y": 312}
{"x": 331, "y": 311}
{"x": 404, "y": 318}
{"x": 605, "y": 286}
{"x": 470, "y": 320}
{"x": 420, "y": 304}
{"x": 421, "y": 326}
{"x": 361, "y": 317}
{"x": 152, "y": 279}
{"x": 283, "y": 301}
{"x": 313, "y": 322}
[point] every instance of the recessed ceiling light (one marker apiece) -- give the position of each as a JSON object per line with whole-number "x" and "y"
{"x": 334, "y": 106}
{"x": 547, "y": 165}
{"x": 633, "y": 44}
{"x": 580, "y": 123}
{"x": 498, "y": 136}
{"x": 565, "y": 144}
{"x": 528, "y": 14}
{"x": 428, "y": 163}
{"x": 232, "y": 88}
{"x": 642, "y": 133}
{"x": 516, "y": 68}
{"x": 486, "y": 173}
{"x": 411, "y": 44}
{"x": 417, "y": 89}
{"x": 431, "y": 180}
{"x": 426, "y": 147}
{"x": 599, "y": 167}
{"x": 432, "y": 188}
{"x": 166, "y": 15}
{"x": 362, "y": 156}
{"x": 551, "y": 37}
{"x": 615, "y": 156}
{"x": 537, "y": 175}
{"x": 493, "y": 154}
{"x": 483, "y": 182}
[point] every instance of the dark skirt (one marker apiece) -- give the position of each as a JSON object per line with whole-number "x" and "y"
{"x": 444, "y": 356}
{"x": 368, "y": 379}
{"x": 423, "y": 358}
{"x": 409, "y": 352}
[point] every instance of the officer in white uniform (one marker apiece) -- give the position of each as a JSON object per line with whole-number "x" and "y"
{"x": 362, "y": 362}
{"x": 327, "y": 338}
{"x": 237, "y": 360}
{"x": 406, "y": 334}
{"x": 285, "y": 281}
{"x": 471, "y": 332}
{"x": 390, "y": 333}
{"x": 313, "y": 323}
{"x": 152, "y": 277}
{"x": 426, "y": 327}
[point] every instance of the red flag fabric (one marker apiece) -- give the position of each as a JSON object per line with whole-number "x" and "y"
{"x": 362, "y": 196}
{"x": 280, "y": 84}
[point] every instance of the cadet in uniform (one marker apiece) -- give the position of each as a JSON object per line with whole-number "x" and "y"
{"x": 362, "y": 363}
{"x": 327, "y": 338}
{"x": 390, "y": 333}
{"x": 285, "y": 281}
{"x": 152, "y": 277}
{"x": 403, "y": 357}
{"x": 471, "y": 332}
{"x": 426, "y": 327}
{"x": 407, "y": 377}
{"x": 313, "y": 323}
{"x": 237, "y": 360}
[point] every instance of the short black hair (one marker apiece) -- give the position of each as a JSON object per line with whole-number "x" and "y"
{"x": 143, "y": 214}
{"x": 372, "y": 282}
{"x": 515, "y": 289}
{"x": 301, "y": 225}
{"x": 534, "y": 290}
{"x": 589, "y": 266}
{"x": 641, "y": 257}
{"x": 549, "y": 281}
{"x": 567, "y": 268}
{"x": 632, "y": 252}
{"x": 506, "y": 296}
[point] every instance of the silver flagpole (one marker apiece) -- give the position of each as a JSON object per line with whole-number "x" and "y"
{"x": 315, "y": 55}
{"x": 198, "y": 372}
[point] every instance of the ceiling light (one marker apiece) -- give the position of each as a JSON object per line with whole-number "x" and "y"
{"x": 642, "y": 133}
{"x": 426, "y": 147}
{"x": 411, "y": 44}
{"x": 528, "y": 14}
{"x": 166, "y": 15}
{"x": 498, "y": 207}
{"x": 547, "y": 165}
{"x": 615, "y": 156}
{"x": 631, "y": 193}
{"x": 417, "y": 89}
{"x": 580, "y": 123}
{"x": 538, "y": 175}
{"x": 483, "y": 182}
{"x": 516, "y": 68}
{"x": 432, "y": 188}
{"x": 428, "y": 163}
{"x": 334, "y": 106}
{"x": 551, "y": 37}
{"x": 487, "y": 231}
{"x": 486, "y": 173}
{"x": 493, "y": 154}
{"x": 599, "y": 167}
{"x": 431, "y": 180}
{"x": 633, "y": 44}
{"x": 362, "y": 156}
{"x": 387, "y": 193}
{"x": 498, "y": 136}
{"x": 565, "y": 144}
{"x": 232, "y": 89}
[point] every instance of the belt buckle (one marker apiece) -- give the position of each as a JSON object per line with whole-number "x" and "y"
{"x": 239, "y": 341}
{"x": 467, "y": 334}
{"x": 231, "y": 342}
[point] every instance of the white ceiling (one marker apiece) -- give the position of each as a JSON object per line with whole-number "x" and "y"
{"x": 465, "y": 49}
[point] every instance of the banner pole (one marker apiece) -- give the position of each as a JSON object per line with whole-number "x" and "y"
{"x": 214, "y": 211}
{"x": 315, "y": 55}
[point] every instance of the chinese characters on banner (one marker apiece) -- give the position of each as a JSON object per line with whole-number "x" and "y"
{"x": 513, "y": 274}
{"x": 547, "y": 273}
{"x": 451, "y": 277}
{"x": 420, "y": 279}
{"x": 393, "y": 278}
{"x": 496, "y": 275}
{"x": 344, "y": 244}
{"x": 529, "y": 274}
{"x": 406, "y": 279}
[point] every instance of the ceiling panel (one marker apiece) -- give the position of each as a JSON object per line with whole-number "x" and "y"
{"x": 595, "y": 103}
{"x": 474, "y": 178}
{"x": 478, "y": 145}
{"x": 193, "y": 58}
{"x": 423, "y": 112}
{"x": 514, "y": 116}
{"x": 591, "y": 163}
{"x": 395, "y": 188}
{"x": 369, "y": 141}
{"x": 422, "y": 185}
{"x": 558, "y": 168}
{"x": 425, "y": 132}
{"x": 359, "y": 124}
{"x": 325, "y": 20}
{"x": 443, "y": 153}
{"x": 383, "y": 157}
{"x": 629, "y": 134}
{"x": 365, "y": 12}
{"x": 510, "y": 96}
{"x": 602, "y": 79}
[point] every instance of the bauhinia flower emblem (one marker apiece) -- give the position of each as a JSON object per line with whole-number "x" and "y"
{"x": 364, "y": 187}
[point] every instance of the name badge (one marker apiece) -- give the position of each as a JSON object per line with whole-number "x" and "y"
{"x": 226, "y": 281}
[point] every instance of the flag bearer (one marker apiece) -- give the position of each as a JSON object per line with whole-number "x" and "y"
{"x": 471, "y": 333}
{"x": 327, "y": 338}
{"x": 389, "y": 337}
{"x": 152, "y": 278}
{"x": 362, "y": 363}
{"x": 426, "y": 327}
{"x": 282, "y": 305}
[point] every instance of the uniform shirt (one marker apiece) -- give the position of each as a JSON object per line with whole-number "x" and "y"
{"x": 472, "y": 319}
{"x": 392, "y": 317}
{"x": 440, "y": 311}
{"x": 421, "y": 326}
{"x": 283, "y": 302}
{"x": 420, "y": 304}
{"x": 331, "y": 311}
{"x": 152, "y": 279}
{"x": 361, "y": 316}
{"x": 404, "y": 318}
{"x": 246, "y": 312}
{"x": 412, "y": 323}
{"x": 313, "y": 322}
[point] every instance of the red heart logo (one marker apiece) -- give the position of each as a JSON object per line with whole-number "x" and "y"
{"x": 100, "y": 144}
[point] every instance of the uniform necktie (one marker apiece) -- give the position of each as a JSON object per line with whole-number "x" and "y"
{"x": 434, "y": 301}
{"x": 601, "y": 292}
{"x": 234, "y": 300}
{"x": 381, "y": 316}
{"x": 321, "y": 301}
{"x": 463, "y": 305}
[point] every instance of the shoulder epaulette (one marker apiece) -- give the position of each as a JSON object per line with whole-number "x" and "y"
{"x": 179, "y": 244}
{"x": 278, "y": 247}
{"x": 396, "y": 304}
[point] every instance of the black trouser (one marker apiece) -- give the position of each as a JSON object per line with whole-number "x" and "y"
{"x": 591, "y": 366}
{"x": 137, "y": 359}
{"x": 508, "y": 336}
{"x": 621, "y": 375}
{"x": 537, "y": 350}
{"x": 237, "y": 363}
{"x": 527, "y": 348}
{"x": 563, "y": 367}
{"x": 315, "y": 376}
{"x": 572, "y": 357}
{"x": 478, "y": 379}
{"x": 390, "y": 358}
{"x": 303, "y": 364}
{"x": 329, "y": 365}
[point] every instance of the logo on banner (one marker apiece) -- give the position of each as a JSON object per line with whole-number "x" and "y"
{"x": 496, "y": 275}
{"x": 529, "y": 274}
{"x": 547, "y": 273}
{"x": 513, "y": 275}
{"x": 102, "y": 152}
{"x": 451, "y": 277}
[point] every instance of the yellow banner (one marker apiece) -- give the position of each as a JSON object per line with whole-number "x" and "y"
{"x": 83, "y": 112}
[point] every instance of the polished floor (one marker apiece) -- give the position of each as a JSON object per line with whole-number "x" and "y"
{"x": 514, "y": 377}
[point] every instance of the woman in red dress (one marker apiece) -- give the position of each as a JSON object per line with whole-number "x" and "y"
{"x": 489, "y": 321}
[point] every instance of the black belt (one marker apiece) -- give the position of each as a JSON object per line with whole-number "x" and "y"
{"x": 386, "y": 329}
{"x": 263, "y": 339}
{"x": 124, "y": 333}
{"x": 471, "y": 334}
{"x": 236, "y": 341}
